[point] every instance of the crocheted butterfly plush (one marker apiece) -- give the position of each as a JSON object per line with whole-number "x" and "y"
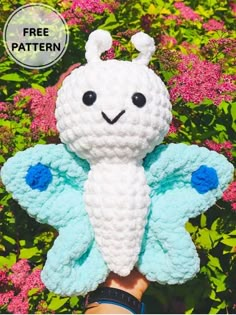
{"x": 114, "y": 210}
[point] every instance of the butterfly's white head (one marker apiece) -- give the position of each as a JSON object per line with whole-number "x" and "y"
{"x": 111, "y": 110}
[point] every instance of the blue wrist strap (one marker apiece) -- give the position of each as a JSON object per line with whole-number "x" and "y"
{"x": 107, "y": 295}
{"x": 124, "y": 306}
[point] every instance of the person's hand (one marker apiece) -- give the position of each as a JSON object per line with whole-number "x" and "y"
{"x": 135, "y": 283}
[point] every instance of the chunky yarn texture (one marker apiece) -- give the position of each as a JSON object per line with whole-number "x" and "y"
{"x": 118, "y": 198}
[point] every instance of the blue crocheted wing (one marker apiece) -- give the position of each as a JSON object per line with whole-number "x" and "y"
{"x": 48, "y": 182}
{"x": 185, "y": 181}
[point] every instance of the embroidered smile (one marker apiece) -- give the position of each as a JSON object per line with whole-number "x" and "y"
{"x": 114, "y": 120}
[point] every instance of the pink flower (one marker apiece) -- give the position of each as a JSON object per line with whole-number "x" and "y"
{"x": 3, "y": 116}
{"x": 21, "y": 266}
{"x": 214, "y": 25}
{"x": 18, "y": 305}
{"x": 168, "y": 41}
{"x": 174, "y": 126}
{"x": 21, "y": 271}
{"x": 230, "y": 195}
{"x": 41, "y": 106}
{"x": 5, "y": 297}
{"x": 20, "y": 281}
{"x": 190, "y": 47}
{"x": 200, "y": 79}
{"x": 172, "y": 129}
{"x": 186, "y": 12}
{"x": 95, "y": 6}
{"x": 116, "y": 43}
{"x": 33, "y": 281}
{"x": 3, "y": 277}
{"x": 172, "y": 17}
{"x": 110, "y": 54}
{"x": 224, "y": 148}
{"x": 82, "y": 12}
{"x": 3, "y": 106}
{"x": 226, "y": 45}
{"x": 146, "y": 21}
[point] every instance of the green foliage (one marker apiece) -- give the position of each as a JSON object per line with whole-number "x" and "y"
{"x": 213, "y": 290}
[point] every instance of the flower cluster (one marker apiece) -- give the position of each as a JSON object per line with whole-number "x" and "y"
{"x": 223, "y": 148}
{"x": 109, "y": 54}
{"x": 42, "y": 308}
{"x": 169, "y": 59}
{"x": 200, "y": 79}
{"x": 167, "y": 41}
{"x": 186, "y": 12}
{"x": 230, "y": 195}
{"x": 15, "y": 285}
{"x": 3, "y": 110}
{"x": 146, "y": 21}
{"x": 94, "y": 6}
{"x": 213, "y": 25}
{"x": 174, "y": 126}
{"x": 232, "y": 5}
{"x": 40, "y": 103}
{"x": 215, "y": 47}
{"x": 82, "y": 12}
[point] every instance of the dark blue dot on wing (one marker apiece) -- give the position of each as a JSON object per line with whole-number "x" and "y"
{"x": 204, "y": 179}
{"x": 38, "y": 177}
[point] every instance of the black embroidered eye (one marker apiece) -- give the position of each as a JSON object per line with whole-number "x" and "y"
{"x": 89, "y": 98}
{"x": 139, "y": 99}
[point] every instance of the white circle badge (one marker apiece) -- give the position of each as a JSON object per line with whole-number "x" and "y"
{"x": 36, "y": 36}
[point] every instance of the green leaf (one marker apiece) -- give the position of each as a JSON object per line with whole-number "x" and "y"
{"x": 57, "y": 302}
{"x": 213, "y": 296}
{"x": 152, "y": 9}
{"x": 224, "y": 106}
{"x": 215, "y": 224}
{"x": 203, "y": 239}
{"x": 215, "y": 237}
{"x": 111, "y": 23}
{"x": 7, "y": 261}
{"x": 27, "y": 253}
{"x": 218, "y": 308}
{"x": 33, "y": 291}
{"x": 9, "y": 239}
{"x": 233, "y": 113}
{"x": 12, "y": 77}
{"x": 203, "y": 220}
{"x": 38, "y": 87}
{"x": 190, "y": 228}
{"x": 214, "y": 262}
{"x": 189, "y": 311}
{"x": 220, "y": 285}
{"x": 74, "y": 301}
{"x": 229, "y": 241}
{"x": 22, "y": 242}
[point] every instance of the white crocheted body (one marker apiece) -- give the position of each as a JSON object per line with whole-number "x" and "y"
{"x": 117, "y": 200}
{"x": 114, "y": 133}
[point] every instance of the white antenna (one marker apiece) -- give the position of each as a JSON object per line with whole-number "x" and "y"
{"x": 145, "y": 45}
{"x": 98, "y": 42}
